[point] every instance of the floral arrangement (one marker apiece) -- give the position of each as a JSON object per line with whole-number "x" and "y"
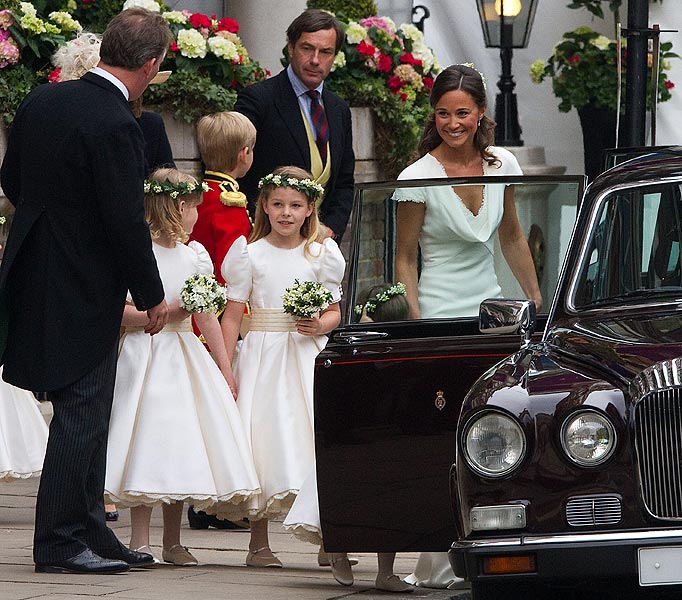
{"x": 392, "y": 70}
{"x": 583, "y": 71}
{"x": 372, "y": 303}
{"x": 306, "y": 186}
{"x": 212, "y": 59}
{"x": 209, "y": 62}
{"x": 27, "y": 41}
{"x": 201, "y": 293}
{"x": 306, "y": 298}
{"x": 174, "y": 190}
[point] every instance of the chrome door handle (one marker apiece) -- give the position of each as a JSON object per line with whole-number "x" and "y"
{"x": 359, "y": 336}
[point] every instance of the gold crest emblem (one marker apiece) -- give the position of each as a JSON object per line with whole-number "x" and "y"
{"x": 440, "y": 400}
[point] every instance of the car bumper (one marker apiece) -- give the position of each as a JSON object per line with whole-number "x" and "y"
{"x": 588, "y": 555}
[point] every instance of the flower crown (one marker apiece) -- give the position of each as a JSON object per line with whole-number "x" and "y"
{"x": 472, "y": 66}
{"x": 372, "y": 303}
{"x": 305, "y": 186}
{"x": 168, "y": 188}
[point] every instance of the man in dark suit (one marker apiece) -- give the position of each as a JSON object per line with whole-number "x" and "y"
{"x": 74, "y": 170}
{"x": 283, "y": 112}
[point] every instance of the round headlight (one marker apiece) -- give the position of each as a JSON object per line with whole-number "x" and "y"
{"x": 494, "y": 444}
{"x": 588, "y": 437}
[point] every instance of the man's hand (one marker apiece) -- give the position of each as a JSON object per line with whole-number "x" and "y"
{"x": 158, "y": 317}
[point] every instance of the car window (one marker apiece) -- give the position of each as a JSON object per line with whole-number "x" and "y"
{"x": 445, "y": 268}
{"x": 633, "y": 252}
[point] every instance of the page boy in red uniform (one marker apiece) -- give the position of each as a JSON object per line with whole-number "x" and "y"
{"x": 225, "y": 141}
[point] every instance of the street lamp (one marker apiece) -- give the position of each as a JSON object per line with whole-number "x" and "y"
{"x": 506, "y": 25}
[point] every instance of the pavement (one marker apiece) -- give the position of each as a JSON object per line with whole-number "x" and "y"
{"x": 220, "y": 575}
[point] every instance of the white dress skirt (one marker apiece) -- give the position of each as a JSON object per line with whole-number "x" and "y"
{"x": 175, "y": 431}
{"x": 23, "y": 433}
{"x": 275, "y": 364}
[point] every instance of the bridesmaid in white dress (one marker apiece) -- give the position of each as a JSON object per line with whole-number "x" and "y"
{"x": 175, "y": 433}
{"x": 23, "y": 434}
{"x": 275, "y": 364}
{"x": 455, "y": 230}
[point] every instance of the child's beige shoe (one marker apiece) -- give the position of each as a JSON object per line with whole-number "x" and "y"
{"x": 394, "y": 584}
{"x": 252, "y": 560}
{"x": 180, "y": 556}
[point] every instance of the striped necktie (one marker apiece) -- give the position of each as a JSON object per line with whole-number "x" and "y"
{"x": 320, "y": 123}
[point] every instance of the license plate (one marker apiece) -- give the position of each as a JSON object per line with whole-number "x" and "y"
{"x": 660, "y": 565}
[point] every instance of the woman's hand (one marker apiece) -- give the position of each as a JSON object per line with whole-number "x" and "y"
{"x": 231, "y": 382}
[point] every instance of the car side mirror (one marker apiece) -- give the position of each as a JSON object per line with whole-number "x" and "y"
{"x": 497, "y": 315}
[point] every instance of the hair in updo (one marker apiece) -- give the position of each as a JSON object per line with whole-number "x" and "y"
{"x": 78, "y": 56}
{"x": 469, "y": 80}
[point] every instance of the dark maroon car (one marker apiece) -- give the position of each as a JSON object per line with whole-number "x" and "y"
{"x": 568, "y": 471}
{"x": 388, "y": 394}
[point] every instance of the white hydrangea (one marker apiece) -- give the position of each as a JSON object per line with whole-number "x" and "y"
{"x": 191, "y": 43}
{"x": 28, "y": 9}
{"x": 65, "y": 21}
{"x": 601, "y": 42}
{"x": 223, "y": 48}
{"x": 150, "y": 5}
{"x": 424, "y": 53}
{"x": 175, "y": 16}
{"x": 339, "y": 61}
{"x": 355, "y": 33}
{"x": 412, "y": 32}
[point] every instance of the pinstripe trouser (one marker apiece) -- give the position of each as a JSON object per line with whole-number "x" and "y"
{"x": 70, "y": 505}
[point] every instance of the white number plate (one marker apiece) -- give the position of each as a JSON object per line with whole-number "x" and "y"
{"x": 660, "y": 565}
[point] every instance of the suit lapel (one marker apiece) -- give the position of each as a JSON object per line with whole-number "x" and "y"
{"x": 335, "y": 129}
{"x": 287, "y": 105}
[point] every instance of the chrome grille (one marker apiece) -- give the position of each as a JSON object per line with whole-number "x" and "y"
{"x": 582, "y": 511}
{"x": 658, "y": 439}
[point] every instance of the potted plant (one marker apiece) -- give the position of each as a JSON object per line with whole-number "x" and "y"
{"x": 583, "y": 71}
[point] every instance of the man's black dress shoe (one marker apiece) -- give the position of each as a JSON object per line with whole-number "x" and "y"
{"x": 200, "y": 520}
{"x": 111, "y": 515}
{"x": 86, "y": 562}
{"x": 130, "y": 557}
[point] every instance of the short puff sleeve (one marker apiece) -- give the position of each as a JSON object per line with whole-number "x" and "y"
{"x": 236, "y": 271}
{"x": 204, "y": 263}
{"x": 332, "y": 268}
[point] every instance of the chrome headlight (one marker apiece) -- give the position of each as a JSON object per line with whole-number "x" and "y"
{"x": 494, "y": 444}
{"x": 588, "y": 437}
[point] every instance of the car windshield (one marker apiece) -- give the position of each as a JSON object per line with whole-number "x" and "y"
{"x": 453, "y": 274}
{"x": 633, "y": 252}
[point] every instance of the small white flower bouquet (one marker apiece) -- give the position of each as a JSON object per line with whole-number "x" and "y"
{"x": 306, "y": 298}
{"x": 201, "y": 293}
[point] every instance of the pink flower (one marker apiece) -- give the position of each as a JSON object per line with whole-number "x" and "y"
{"x": 395, "y": 83}
{"x": 174, "y": 46}
{"x": 669, "y": 85}
{"x": 574, "y": 60}
{"x": 55, "y": 76}
{"x": 228, "y": 24}
{"x": 428, "y": 82}
{"x": 376, "y": 22}
{"x": 403, "y": 97}
{"x": 9, "y": 52}
{"x": 385, "y": 64}
{"x": 6, "y": 19}
{"x": 199, "y": 21}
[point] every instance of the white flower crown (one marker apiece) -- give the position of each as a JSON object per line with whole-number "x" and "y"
{"x": 372, "y": 303}
{"x": 306, "y": 186}
{"x": 472, "y": 66}
{"x": 168, "y": 188}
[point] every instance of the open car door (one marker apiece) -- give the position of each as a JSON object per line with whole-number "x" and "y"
{"x": 388, "y": 394}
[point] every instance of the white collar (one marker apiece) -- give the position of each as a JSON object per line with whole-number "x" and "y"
{"x": 115, "y": 80}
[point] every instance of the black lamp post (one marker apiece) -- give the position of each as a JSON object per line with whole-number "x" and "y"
{"x": 506, "y": 25}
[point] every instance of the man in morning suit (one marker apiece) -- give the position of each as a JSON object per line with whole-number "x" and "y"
{"x": 74, "y": 170}
{"x": 300, "y": 123}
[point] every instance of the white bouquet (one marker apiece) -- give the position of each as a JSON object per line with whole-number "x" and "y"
{"x": 305, "y": 298}
{"x": 201, "y": 293}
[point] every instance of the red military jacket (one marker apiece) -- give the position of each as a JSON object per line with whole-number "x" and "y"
{"x": 222, "y": 218}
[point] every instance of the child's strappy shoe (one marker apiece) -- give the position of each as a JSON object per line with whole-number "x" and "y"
{"x": 262, "y": 561}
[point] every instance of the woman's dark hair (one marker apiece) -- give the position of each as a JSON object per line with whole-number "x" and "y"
{"x": 312, "y": 20}
{"x": 469, "y": 80}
